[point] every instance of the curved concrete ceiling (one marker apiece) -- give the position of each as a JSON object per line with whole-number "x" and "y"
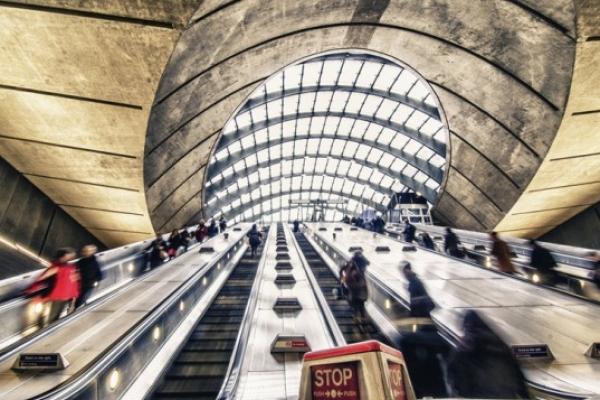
{"x": 480, "y": 57}
{"x": 78, "y": 81}
{"x": 568, "y": 181}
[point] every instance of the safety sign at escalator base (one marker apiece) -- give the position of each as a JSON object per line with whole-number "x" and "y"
{"x": 335, "y": 381}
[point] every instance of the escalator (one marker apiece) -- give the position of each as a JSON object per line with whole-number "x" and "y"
{"x": 340, "y": 308}
{"x": 199, "y": 369}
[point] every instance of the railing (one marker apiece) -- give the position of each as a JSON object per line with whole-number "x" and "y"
{"x": 119, "y": 266}
{"x": 110, "y": 374}
{"x": 573, "y": 269}
{"x": 389, "y": 298}
{"x": 232, "y": 376}
{"x": 392, "y": 305}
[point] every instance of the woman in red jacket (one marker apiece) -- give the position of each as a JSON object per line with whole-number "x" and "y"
{"x": 58, "y": 286}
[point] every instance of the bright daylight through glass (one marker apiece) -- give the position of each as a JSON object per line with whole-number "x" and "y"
{"x": 346, "y": 129}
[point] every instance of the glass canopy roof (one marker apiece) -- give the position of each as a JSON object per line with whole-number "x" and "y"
{"x": 344, "y": 131}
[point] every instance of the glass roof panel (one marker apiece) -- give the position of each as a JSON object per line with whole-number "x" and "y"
{"x": 261, "y": 162}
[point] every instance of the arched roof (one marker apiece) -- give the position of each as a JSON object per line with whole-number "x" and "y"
{"x": 351, "y": 123}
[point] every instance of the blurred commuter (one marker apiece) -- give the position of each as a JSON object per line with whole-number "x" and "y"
{"x": 451, "y": 243}
{"x": 174, "y": 243}
{"x": 57, "y": 287}
{"x": 482, "y": 366}
{"x": 501, "y": 251}
{"x": 346, "y": 219}
{"x": 222, "y": 224}
{"x": 378, "y": 224}
{"x": 424, "y": 351}
{"x": 254, "y": 239}
{"x": 342, "y": 292}
{"x": 426, "y": 241}
{"x": 201, "y": 232}
{"x": 543, "y": 261}
{"x": 296, "y": 226}
{"x": 358, "y": 293}
{"x": 421, "y": 304}
{"x": 90, "y": 273}
{"x": 360, "y": 260}
{"x": 595, "y": 274}
{"x": 212, "y": 229}
{"x": 186, "y": 239}
{"x": 156, "y": 252}
{"x": 409, "y": 231}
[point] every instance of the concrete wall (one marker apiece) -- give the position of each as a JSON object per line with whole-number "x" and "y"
{"x": 30, "y": 218}
{"x": 501, "y": 69}
{"x": 582, "y": 230}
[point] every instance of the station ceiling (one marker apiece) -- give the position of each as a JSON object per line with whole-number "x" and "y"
{"x": 345, "y": 127}
{"x": 113, "y": 108}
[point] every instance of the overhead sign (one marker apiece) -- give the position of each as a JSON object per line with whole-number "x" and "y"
{"x": 335, "y": 381}
{"x": 537, "y": 351}
{"x": 40, "y": 362}
{"x": 396, "y": 381}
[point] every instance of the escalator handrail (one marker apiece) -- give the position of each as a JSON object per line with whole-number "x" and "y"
{"x": 105, "y": 360}
{"x": 569, "y": 255}
{"x": 232, "y": 376}
{"x": 330, "y": 322}
{"x": 10, "y": 350}
{"x": 451, "y": 337}
{"x": 375, "y": 280}
{"x": 521, "y": 278}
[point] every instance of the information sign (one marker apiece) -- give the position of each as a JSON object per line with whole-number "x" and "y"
{"x": 40, "y": 362}
{"x": 531, "y": 351}
{"x": 335, "y": 381}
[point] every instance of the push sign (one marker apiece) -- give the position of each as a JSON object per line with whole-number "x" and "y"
{"x": 335, "y": 381}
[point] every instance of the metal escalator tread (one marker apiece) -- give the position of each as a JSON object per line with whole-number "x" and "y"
{"x": 200, "y": 367}
{"x": 340, "y": 309}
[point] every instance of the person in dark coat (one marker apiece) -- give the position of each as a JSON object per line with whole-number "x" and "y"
{"x": 451, "y": 243}
{"x": 595, "y": 274}
{"x": 358, "y": 293}
{"x": 482, "y": 366}
{"x": 156, "y": 252}
{"x": 426, "y": 241}
{"x": 409, "y": 231}
{"x": 501, "y": 251}
{"x": 222, "y": 224}
{"x": 175, "y": 242}
{"x": 212, "y": 229}
{"x": 421, "y": 304}
{"x": 423, "y": 351}
{"x": 360, "y": 260}
{"x": 201, "y": 232}
{"x": 90, "y": 273}
{"x": 186, "y": 239}
{"x": 543, "y": 261}
{"x": 296, "y": 226}
{"x": 254, "y": 239}
{"x": 378, "y": 224}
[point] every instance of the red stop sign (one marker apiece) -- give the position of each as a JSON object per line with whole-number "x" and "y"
{"x": 335, "y": 381}
{"x": 396, "y": 381}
